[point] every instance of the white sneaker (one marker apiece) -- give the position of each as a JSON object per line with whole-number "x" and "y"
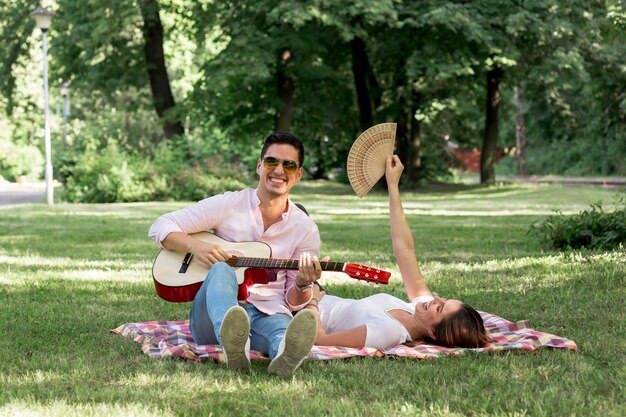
{"x": 235, "y": 336}
{"x": 296, "y": 345}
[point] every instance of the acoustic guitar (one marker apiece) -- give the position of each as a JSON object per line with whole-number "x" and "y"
{"x": 178, "y": 277}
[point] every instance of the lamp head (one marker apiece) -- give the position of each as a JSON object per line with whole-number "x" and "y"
{"x": 43, "y": 18}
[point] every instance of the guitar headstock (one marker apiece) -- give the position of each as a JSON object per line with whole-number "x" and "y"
{"x": 367, "y": 273}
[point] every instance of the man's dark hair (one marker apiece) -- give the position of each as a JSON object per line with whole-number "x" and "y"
{"x": 287, "y": 138}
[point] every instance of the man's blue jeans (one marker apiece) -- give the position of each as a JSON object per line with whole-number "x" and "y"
{"x": 217, "y": 294}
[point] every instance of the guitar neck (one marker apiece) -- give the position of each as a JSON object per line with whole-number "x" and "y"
{"x": 271, "y": 263}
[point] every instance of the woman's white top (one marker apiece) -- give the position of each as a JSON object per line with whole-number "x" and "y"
{"x": 383, "y": 330}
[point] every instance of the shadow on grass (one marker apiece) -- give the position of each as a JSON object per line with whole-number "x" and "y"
{"x": 61, "y": 338}
{"x": 56, "y": 342}
{"x": 326, "y": 187}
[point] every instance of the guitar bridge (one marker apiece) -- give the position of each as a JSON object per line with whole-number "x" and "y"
{"x": 185, "y": 264}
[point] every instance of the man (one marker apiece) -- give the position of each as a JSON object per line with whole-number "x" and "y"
{"x": 263, "y": 322}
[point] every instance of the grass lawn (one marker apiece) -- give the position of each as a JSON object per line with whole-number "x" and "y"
{"x": 70, "y": 273}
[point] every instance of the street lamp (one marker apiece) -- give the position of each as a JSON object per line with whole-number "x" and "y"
{"x": 65, "y": 92}
{"x": 43, "y": 18}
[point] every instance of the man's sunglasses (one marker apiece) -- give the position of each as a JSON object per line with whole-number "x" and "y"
{"x": 271, "y": 163}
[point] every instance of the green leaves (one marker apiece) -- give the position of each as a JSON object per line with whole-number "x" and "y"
{"x": 592, "y": 229}
{"x": 426, "y": 62}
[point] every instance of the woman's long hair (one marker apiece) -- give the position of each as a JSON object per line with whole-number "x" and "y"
{"x": 465, "y": 329}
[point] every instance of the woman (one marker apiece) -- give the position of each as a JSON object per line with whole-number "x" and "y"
{"x": 383, "y": 321}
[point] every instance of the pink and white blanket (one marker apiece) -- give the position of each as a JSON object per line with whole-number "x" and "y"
{"x": 161, "y": 339}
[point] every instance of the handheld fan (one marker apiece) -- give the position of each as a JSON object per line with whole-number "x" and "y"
{"x": 366, "y": 159}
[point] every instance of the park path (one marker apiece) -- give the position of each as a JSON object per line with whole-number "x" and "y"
{"x": 602, "y": 182}
{"x": 13, "y": 193}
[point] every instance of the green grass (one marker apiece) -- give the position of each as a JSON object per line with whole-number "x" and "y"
{"x": 70, "y": 273}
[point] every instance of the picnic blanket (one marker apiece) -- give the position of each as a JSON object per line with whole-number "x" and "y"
{"x": 162, "y": 339}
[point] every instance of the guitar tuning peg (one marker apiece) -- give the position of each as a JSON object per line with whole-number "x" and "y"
{"x": 376, "y": 285}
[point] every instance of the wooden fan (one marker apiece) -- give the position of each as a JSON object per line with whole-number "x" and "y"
{"x": 366, "y": 160}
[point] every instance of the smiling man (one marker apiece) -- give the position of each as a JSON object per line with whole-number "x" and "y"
{"x": 263, "y": 321}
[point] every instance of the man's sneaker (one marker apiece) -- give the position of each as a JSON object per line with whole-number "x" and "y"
{"x": 296, "y": 345}
{"x": 235, "y": 336}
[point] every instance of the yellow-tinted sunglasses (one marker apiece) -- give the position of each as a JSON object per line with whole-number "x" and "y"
{"x": 271, "y": 163}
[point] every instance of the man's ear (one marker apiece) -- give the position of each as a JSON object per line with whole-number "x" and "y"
{"x": 258, "y": 167}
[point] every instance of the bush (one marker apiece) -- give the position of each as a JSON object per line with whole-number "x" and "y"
{"x": 592, "y": 229}
{"x": 196, "y": 183}
{"x": 176, "y": 176}
{"x": 582, "y": 157}
{"x": 110, "y": 175}
{"x": 104, "y": 176}
{"x": 20, "y": 160}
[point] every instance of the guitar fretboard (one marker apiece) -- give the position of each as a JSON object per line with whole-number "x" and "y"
{"x": 270, "y": 263}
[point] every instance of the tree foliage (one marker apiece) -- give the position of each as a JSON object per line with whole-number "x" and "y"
{"x": 238, "y": 69}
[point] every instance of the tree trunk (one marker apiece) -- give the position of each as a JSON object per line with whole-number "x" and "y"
{"x": 415, "y": 144}
{"x": 361, "y": 72}
{"x": 402, "y": 132}
{"x": 374, "y": 88}
{"x": 490, "y": 141}
{"x": 286, "y": 90}
{"x": 520, "y": 134}
{"x": 155, "y": 58}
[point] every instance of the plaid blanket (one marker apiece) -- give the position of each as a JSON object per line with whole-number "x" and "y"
{"x": 162, "y": 339}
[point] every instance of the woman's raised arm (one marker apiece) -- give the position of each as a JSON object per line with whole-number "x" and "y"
{"x": 401, "y": 236}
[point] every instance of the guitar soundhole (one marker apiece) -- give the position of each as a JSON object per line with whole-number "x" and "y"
{"x": 185, "y": 264}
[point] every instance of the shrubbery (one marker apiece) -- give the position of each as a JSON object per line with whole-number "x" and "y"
{"x": 102, "y": 176}
{"x": 112, "y": 175}
{"x": 593, "y": 229}
{"x": 600, "y": 156}
{"x": 17, "y": 160}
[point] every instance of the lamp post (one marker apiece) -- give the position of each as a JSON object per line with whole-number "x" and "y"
{"x": 43, "y": 18}
{"x": 65, "y": 92}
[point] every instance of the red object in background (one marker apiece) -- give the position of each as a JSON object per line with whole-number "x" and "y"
{"x": 470, "y": 159}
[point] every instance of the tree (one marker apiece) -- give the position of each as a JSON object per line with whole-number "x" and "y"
{"x": 362, "y": 73}
{"x": 490, "y": 141}
{"x": 520, "y": 134}
{"x": 286, "y": 90}
{"x": 95, "y": 44}
{"x": 238, "y": 69}
{"x": 163, "y": 98}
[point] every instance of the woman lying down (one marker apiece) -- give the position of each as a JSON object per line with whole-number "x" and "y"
{"x": 382, "y": 320}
